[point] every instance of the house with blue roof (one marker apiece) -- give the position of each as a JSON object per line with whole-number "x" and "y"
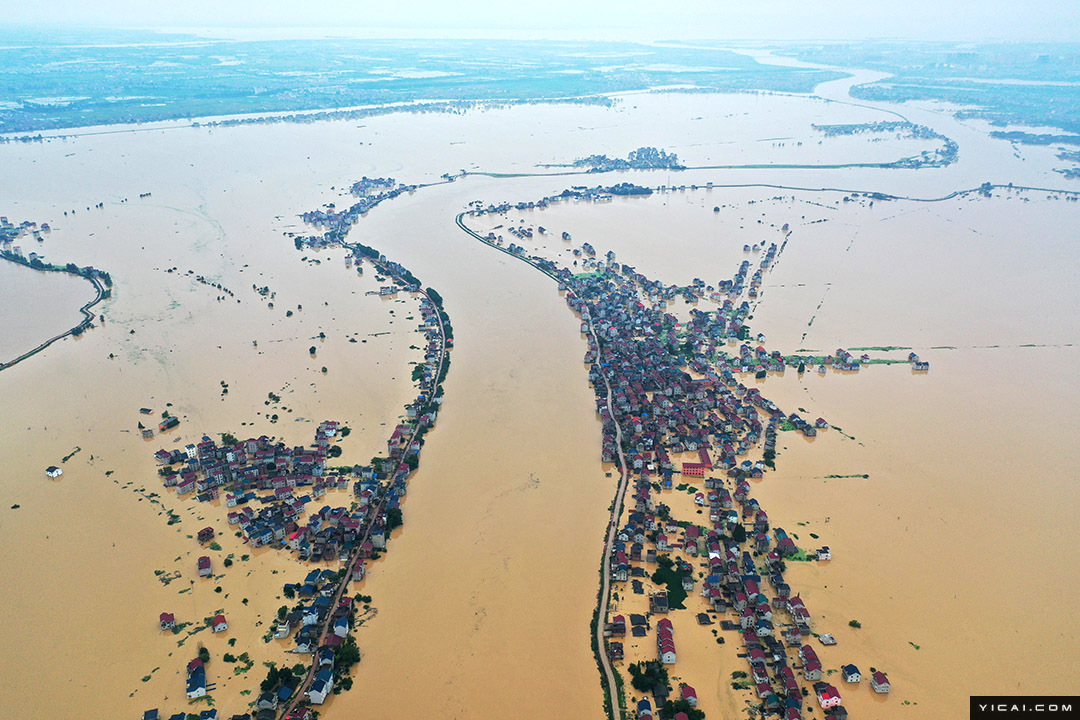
{"x": 321, "y": 687}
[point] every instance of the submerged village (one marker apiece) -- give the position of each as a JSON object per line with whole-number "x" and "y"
{"x": 685, "y": 434}
{"x": 687, "y": 437}
{"x": 276, "y": 496}
{"x": 688, "y": 547}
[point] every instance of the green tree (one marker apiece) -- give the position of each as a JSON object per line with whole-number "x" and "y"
{"x": 348, "y": 654}
{"x": 393, "y": 518}
{"x": 644, "y": 676}
{"x": 673, "y": 707}
{"x": 271, "y": 680}
{"x": 739, "y": 533}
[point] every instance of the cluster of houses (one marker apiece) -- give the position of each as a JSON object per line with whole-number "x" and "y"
{"x": 645, "y": 708}
{"x": 9, "y": 231}
{"x": 268, "y": 485}
{"x": 303, "y": 713}
{"x": 317, "y": 610}
{"x": 644, "y": 158}
{"x": 844, "y": 360}
{"x": 577, "y": 193}
{"x": 267, "y": 488}
{"x": 369, "y": 193}
{"x": 675, "y": 391}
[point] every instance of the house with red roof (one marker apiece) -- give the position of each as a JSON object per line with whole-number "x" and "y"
{"x": 168, "y": 621}
{"x": 696, "y": 470}
{"x": 204, "y": 566}
{"x": 220, "y": 624}
{"x": 688, "y": 694}
{"x": 828, "y": 696}
{"x": 880, "y": 682}
{"x": 665, "y": 641}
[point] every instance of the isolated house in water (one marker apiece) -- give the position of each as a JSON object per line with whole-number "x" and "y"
{"x": 196, "y": 682}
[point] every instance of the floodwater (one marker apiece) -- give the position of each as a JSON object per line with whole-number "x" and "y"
{"x": 485, "y": 596}
{"x": 37, "y": 306}
{"x": 943, "y": 531}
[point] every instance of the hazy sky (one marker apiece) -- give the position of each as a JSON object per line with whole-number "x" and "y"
{"x": 600, "y": 19}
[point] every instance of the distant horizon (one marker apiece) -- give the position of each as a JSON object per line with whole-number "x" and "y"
{"x": 211, "y": 33}
{"x": 601, "y": 20}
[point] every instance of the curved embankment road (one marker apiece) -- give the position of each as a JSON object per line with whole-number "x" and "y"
{"x": 798, "y": 188}
{"x": 88, "y": 318}
{"x": 616, "y": 505}
{"x": 324, "y": 631}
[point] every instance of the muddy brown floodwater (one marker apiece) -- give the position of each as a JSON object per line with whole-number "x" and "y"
{"x": 955, "y": 554}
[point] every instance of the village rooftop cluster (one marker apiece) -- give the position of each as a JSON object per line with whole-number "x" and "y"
{"x": 267, "y": 487}
{"x": 681, "y": 411}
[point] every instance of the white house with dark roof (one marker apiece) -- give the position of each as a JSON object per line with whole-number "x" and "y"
{"x": 321, "y": 687}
